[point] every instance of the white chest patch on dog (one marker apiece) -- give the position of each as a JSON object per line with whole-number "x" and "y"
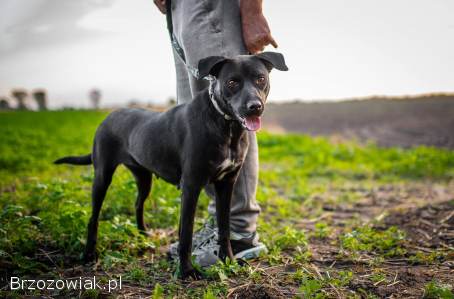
{"x": 226, "y": 166}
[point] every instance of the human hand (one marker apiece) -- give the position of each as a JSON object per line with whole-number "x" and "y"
{"x": 161, "y": 4}
{"x": 256, "y": 32}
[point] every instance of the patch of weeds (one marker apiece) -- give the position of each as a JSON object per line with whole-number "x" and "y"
{"x": 216, "y": 290}
{"x": 426, "y": 258}
{"x": 19, "y": 233}
{"x": 121, "y": 235}
{"x": 158, "y": 292}
{"x": 208, "y": 295}
{"x": 342, "y": 278}
{"x": 311, "y": 288}
{"x": 290, "y": 238}
{"x": 112, "y": 259}
{"x": 434, "y": 290}
{"x": 302, "y": 255}
{"x": 298, "y": 276}
{"x": 322, "y": 230}
{"x": 255, "y": 276}
{"x": 366, "y": 238}
{"x": 138, "y": 274}
{"x": 251, "y": 273}
{"x": 376, "y": 261}
{"x": 377, "y": 277}
{"x": 274, "y": 256}
{"x": 68, "y": 227}
{"x": 222, "y": 270}
{"x": 279, "y": 238}
{"x": 26, "y": 265}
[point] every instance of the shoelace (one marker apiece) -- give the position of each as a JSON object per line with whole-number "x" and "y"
{"x": 209, "y": 239}
{"x": 208, "y": 245}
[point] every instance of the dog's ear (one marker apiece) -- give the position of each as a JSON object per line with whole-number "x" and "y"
{"x": 273, "y": 60}
{"x": 210, "y": 66}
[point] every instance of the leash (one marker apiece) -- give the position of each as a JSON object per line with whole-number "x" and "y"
{"x": 194, "y": 71}
{"x": 176, "y": 46}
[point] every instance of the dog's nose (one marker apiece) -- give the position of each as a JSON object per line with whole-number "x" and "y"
{"x": 254, "y": 106}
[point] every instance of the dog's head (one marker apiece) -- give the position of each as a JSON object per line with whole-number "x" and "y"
{"x": 241, "y": 84}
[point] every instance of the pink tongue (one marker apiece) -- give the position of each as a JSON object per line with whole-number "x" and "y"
{"x": 253, "y": 123}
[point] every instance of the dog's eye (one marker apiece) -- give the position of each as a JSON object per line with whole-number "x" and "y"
{"x": 260, "y": 80}
{"x": 232, "y": 83}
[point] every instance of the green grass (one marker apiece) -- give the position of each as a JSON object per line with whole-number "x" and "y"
{"x": 435, "y": 290}
{"x": 30, "y": 141}
{"x": 308, "y": 157}
{"x": 367, "y": 239}
{"x": 45, "y": 208}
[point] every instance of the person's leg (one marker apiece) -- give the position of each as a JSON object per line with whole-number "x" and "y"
{"x": 183, "y": 86}
{"x": 213, "y": 27}
{"x": 245, "y": 209}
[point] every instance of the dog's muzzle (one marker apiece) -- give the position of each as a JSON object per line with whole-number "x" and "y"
{"x": 251, "y": 122}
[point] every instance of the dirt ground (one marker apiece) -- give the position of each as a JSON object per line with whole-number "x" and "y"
{"x": 424, "y": 120}
{"x": 424, "y": 211}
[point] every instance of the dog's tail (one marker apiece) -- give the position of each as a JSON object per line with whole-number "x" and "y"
{"x": 77, "y": 160}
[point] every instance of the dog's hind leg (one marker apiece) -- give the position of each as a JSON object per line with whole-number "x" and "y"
{"x": 101, "y": 182}
{"x": 143, "y": 180}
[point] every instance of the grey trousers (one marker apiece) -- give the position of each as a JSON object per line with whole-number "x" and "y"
{"x": 205, "y": 28}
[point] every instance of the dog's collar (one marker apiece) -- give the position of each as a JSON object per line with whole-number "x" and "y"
{"x": 215, "y": 103}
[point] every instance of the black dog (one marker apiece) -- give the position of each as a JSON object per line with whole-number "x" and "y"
{"x": 191, "y": 145}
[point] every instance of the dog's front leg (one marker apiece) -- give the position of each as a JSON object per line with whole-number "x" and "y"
{"x": 189, "y": 199}
{"x": 224, "y": 191}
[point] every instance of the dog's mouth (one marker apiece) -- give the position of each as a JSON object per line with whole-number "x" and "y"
{"x": 251, "y": 122}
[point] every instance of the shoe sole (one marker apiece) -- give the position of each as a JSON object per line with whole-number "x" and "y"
{"x": 251, "y": 253}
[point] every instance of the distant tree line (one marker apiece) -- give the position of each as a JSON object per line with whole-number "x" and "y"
{"x": 22, "y": 99}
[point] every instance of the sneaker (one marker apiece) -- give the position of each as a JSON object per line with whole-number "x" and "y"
{"x": 248, "y": 248}
{"x": 205, "y": 247}
{"x": 208, "y": 231}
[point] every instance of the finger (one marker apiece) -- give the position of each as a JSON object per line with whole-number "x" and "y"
{"x": 161, "y": 4}
{"x": 272, "y": 41}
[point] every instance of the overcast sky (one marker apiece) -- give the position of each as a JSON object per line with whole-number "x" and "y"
{"x": 335, "y": 49}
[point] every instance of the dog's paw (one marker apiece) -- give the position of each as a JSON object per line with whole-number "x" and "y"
{"x": 190, "y": 273}
{"x": 223, "y": 256}
{"x": 242, "y": 262}
{"x": 89, "y": 257}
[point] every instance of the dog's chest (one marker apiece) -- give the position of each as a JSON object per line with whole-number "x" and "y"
{"x": 231, "y": 154}
{"x": 231, "y": 160}
{"x": 227, "y": 166}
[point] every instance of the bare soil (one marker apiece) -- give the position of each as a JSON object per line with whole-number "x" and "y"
{"x": 424, "y": 120}
{"x": 424, "y": 211}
